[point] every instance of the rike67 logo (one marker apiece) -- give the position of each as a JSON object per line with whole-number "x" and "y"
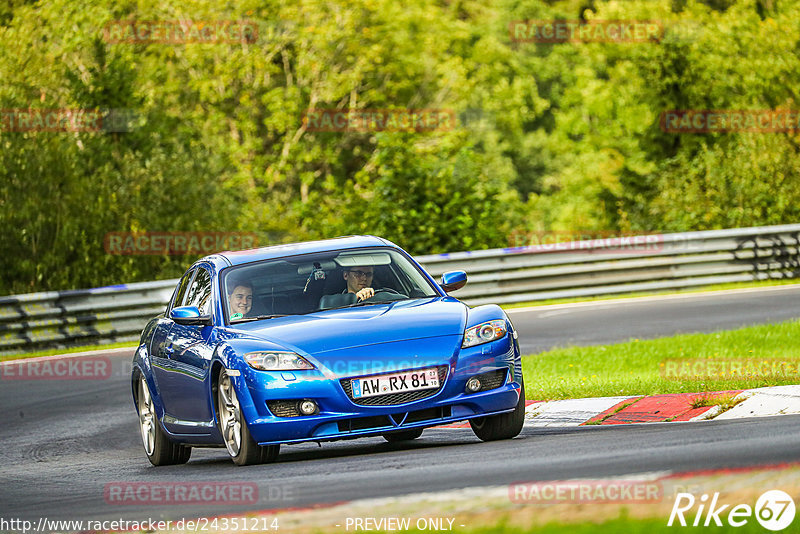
{"x": 774, "y": 510}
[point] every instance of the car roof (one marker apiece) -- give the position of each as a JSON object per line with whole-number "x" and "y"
{"x": 239, "y": 257}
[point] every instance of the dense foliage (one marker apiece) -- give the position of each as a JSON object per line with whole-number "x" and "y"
{"x": 549, "y": 137}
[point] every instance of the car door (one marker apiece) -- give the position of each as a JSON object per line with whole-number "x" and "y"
{"x": 189, "y": 351}
{"x": 158, "y": 341}
{"x": 160, "y": 357}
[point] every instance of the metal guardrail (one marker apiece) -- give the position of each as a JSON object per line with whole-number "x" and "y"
{"x": 519, "y": 274}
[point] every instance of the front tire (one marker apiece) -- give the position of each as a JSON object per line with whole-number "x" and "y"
{"x": 503, "y": 426}
{"x": 240, "y": 444}
{"x": 159, "y": 448}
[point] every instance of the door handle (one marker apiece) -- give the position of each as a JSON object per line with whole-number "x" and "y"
{"x": 169, "y": 350}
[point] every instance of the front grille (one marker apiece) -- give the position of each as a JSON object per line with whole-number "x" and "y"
{"x": 428, "y": 415}
{"x": 364, "y": 423}
{"x": 394, "y": 398}
{"x": 384, "y": 421}
{"x": 492, "y": 379}
{"x": 283, "y": 408}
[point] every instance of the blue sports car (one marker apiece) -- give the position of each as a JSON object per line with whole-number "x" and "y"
{"x": 320, "y": 341}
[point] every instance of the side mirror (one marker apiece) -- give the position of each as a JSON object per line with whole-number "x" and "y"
{"x": 453, "y": 280}
{"x": 189, "y": 315}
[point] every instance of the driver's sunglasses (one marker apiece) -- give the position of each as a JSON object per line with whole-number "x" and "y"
{"x": 361, "y": 274}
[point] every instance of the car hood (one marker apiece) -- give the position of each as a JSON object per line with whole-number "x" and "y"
{"x": 333, "y": 330}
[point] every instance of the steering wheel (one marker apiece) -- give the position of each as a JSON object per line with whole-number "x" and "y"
{"x": 387, "y": 290}
{"x": 387, "y": 293}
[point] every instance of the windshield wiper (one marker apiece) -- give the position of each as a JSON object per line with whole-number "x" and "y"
{"x": 257, "y": 318}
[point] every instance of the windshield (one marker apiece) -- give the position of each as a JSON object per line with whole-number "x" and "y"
{"x": 314, "y": 282}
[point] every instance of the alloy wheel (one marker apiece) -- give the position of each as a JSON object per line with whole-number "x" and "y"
{"x": 230, "y": 415}
{"x": 147, "y": 418}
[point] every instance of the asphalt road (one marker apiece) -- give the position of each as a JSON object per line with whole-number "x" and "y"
{"x": 64, "y": 442}
{"x": 598, "y": 323}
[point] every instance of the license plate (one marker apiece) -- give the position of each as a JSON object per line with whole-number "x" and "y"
{"x": 395, "y": 383}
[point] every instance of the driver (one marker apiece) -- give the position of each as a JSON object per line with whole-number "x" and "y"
{"x": 240, "y": 300}
{"x": 359, "y": 280}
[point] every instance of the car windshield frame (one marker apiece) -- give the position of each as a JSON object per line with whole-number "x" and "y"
{"x": 405, "y": 271}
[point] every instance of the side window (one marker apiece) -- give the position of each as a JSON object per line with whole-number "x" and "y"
{"x": 200, "y": 292}
{"x": 180, "y": 291}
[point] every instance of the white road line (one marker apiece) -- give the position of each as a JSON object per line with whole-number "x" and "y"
{"x": 649, "y": 298}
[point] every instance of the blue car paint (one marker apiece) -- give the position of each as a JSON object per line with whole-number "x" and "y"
{"x": 379, "y": 323}
{"x": 177, "y": 360}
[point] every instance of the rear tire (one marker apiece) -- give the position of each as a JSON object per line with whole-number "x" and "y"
{"x": 402, "y": 435}
{"x": 159, "y": 448}
{"x": 240, "y": 443}
{"x": 503, "y": 426}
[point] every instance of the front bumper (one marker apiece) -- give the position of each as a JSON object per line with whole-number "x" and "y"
{"x": 339, "y": 417}
{"x": 323, "y": 427}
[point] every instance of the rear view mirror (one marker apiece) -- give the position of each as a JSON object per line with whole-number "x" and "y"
{"x": 189, "y": 315}
{"x": 453, "y": 280}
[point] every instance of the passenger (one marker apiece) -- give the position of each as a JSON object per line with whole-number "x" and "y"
{"x": 240, "y": 299}
{"x": 359, "y": 281}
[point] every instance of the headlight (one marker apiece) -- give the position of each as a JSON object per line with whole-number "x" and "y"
{"x": 484, "y": 333}
{"x": 277, "y": 361}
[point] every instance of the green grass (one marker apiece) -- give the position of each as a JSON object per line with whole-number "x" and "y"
{"x": 701, "y": 289}
{"x": 637, "y": 367}
{"x": 70, "y": 350}
{"x": 620, "y": 525}
{"x": 725, "y": 402}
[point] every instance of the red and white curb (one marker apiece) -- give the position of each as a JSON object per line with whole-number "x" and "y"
{"x": 778, "y": 400}
{"x": 761, "y": 402}
{"x": 570, "y": 412}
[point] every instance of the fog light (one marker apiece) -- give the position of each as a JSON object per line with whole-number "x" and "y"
{"x": 473, "y": 385}
{"x": 308, "y": 407}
